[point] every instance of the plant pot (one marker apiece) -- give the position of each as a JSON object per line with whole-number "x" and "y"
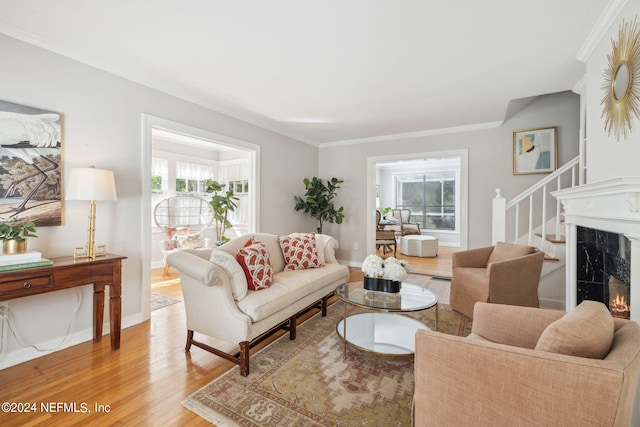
{"x": 14, "y": 247}
{"x": 381, "y": 285}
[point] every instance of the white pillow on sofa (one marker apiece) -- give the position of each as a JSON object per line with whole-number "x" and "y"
{"x": 235, "y": 272}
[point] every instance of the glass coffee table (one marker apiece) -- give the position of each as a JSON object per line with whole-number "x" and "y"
{"x": 383, "y": 330}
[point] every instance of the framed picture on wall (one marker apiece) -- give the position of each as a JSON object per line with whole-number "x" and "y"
{"x": 30, "y": 165}
{"x": 535, "y": 151}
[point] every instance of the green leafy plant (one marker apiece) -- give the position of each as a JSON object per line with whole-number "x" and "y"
{"x": 222, "y": 203}
{"x": 18, "y": 232}
{"x": 318, "y": 201}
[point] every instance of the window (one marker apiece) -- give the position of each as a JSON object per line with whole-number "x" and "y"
{"x": 192, "y": 177}
{"x": 430, "y": 197}
{"x": 159, "y": 174}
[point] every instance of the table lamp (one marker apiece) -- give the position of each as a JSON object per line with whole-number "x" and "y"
{"x": 90, "y": 184}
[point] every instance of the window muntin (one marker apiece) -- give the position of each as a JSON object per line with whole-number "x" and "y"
{"x": 430, "y": 197}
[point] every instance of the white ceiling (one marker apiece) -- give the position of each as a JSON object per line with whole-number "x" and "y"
{"x": 328, "y": 70}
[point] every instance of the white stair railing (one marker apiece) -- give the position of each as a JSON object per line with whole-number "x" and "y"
{"x": 536, "y": 196}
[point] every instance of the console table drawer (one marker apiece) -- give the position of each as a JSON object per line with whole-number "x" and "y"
{"x": 26, "y": 285}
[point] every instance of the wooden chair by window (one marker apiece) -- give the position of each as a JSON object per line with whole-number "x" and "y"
{"x": 404, "y": 215}
{"x": 183, "y": 219}
{"x": 385, "y": 239}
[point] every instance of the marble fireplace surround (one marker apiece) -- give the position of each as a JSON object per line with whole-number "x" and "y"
{"x": 612, "y": 205}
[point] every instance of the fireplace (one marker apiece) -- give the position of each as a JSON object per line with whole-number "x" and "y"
{"x": 605, "y": 216}
{"x": 604, "y": 269}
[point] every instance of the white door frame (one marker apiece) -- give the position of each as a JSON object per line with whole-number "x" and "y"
{"x": 464, "y": 189}
{"x": 149, "y": 123}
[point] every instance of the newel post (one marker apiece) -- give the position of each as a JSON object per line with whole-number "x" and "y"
{"x": 499, "y": 218}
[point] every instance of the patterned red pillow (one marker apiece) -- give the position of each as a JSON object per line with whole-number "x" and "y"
{"x": 256, "y": 263}
{"x": 172, "y": 232}
{"x": 300, "y": 251}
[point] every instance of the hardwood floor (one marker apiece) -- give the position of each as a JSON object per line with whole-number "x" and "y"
{"x": 439, "y": 266}
{"x": 143, "y": 383}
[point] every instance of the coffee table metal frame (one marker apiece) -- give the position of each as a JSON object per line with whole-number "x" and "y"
{"x": 411, "y": 298}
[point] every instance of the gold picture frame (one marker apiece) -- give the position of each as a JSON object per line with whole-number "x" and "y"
{"x": 535, "y": 151}
{"x": 621, "y": 86}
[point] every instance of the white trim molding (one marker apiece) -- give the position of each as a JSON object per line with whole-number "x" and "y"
{"x": 613, "y": 206}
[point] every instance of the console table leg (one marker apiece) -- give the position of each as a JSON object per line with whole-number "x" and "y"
{"x": 98, "y": 312}
{"x": 115, "y": 306}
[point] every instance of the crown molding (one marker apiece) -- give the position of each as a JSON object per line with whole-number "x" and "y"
{"x": 607, "y": 17}
{"x": 410, "y": 135}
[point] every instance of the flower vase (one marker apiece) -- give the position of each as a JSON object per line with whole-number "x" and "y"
{"x": 381, "y": 285}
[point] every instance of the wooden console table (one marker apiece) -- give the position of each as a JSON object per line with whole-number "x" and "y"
{"x": 67, "y": 272}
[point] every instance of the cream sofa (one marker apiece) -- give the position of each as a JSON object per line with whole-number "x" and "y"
{"x": 212, "y": 285}
{"x": 524, "y": 366}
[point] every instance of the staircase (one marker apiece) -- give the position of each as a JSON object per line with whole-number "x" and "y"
{"x": 533, "y": 214}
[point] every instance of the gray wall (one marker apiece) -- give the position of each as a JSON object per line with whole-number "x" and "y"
{"x": 102, "y": 122}
{"x": 490, "y": 166}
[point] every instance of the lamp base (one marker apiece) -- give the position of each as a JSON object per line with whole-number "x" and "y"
{"x": 90, "y": 251}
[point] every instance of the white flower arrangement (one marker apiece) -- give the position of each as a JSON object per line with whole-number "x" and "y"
{"x": 390, "y": 268}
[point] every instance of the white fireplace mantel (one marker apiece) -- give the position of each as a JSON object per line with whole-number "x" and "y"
{"x": 612, "y": 205}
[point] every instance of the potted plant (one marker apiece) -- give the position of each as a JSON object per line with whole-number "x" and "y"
{"x": 14, "y": 236}
{"x": 318, "y": 201}
{"x": 222, "y": 203}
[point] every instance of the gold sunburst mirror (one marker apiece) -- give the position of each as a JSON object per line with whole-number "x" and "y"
{"x": 622, "y": 81}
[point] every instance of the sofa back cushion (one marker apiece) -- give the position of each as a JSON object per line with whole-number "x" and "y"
{"x": 503, "y": 251}
{"x": 270, "y": 241}
{"x": 586, "y": 331}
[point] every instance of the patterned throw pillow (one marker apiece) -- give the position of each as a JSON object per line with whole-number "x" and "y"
{"x": 256, "y": 263}
{"x": 189, "y": 241}
{"x": 300, "y": 251}
{"x": 172, "y": 233}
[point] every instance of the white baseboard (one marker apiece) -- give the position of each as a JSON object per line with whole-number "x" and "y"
{"x": 29, "y": 353}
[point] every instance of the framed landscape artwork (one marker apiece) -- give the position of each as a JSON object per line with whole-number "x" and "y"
{"x": 30, "y": 165}
{"x": 535, "y": 151}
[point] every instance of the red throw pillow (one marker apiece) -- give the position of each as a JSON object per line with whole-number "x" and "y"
{"x": 256, "y": 263}
{"x": 300, "y": 251}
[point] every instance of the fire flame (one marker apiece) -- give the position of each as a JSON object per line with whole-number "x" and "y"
{"x": 619, "y": 305}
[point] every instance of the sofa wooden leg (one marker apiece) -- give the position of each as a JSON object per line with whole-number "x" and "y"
{"x": 189, "y": 340}
{"x": 324, "y": 306}
{"x": 293, "y": 320}
{"x": 165, "y": 272}
{"x": 243, "y": 358}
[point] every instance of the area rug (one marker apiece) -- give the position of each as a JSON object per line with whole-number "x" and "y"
{"x": 159, "y": 301}
{"x": 307, "y": 382}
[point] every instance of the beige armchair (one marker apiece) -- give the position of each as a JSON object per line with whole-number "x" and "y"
{"x": 497, "y": 377}
{"x": 404, "y": 216}
{"x": 501, "y": 274}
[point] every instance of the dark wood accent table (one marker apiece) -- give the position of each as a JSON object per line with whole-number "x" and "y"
{"x": 67, "y": 272}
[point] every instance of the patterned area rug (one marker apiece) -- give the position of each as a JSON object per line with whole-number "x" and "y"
{"x": 159, "y": 301}
{"x": 308, "y": 382}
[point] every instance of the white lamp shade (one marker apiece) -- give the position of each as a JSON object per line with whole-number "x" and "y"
{"x": 90, "y": 184}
